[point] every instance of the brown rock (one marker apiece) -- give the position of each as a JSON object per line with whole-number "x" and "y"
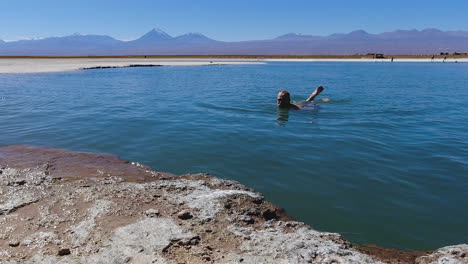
{"x": 14, "y": 244}
{"x": 185, "y": 215}
{"x": 64, "y": 252}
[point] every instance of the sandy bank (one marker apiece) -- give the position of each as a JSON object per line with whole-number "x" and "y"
{"x": 437, "y": 60}
{"x": 37, "y": 65}
{"x": 59, "y": 206}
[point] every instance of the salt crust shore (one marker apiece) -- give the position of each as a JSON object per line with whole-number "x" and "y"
{"x": 449, "y": 60}
{"x": 60, "y": 206}
{"x": 41, "y": 65}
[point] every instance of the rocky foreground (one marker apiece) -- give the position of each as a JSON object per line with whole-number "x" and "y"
{"x": 59, "y": 206}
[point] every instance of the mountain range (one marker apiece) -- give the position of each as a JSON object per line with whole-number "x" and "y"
{"x": 158, "y": 42}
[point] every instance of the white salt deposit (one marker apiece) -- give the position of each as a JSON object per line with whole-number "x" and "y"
{"x": 36, "y": 65}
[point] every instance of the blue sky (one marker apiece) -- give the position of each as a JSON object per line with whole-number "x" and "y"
{"x": 226, "y": 20}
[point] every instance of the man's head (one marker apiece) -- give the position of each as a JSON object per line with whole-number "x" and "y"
{"x": 283, "y": 99}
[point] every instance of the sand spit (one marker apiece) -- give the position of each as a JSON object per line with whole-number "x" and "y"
{"x": 59, "y": 206}
{"x": 38, "y": 65}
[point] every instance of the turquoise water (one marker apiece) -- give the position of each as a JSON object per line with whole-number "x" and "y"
{"x": 384, "y": 162}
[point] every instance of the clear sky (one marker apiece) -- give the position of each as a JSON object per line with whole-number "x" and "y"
{"x": 226, "y": 20}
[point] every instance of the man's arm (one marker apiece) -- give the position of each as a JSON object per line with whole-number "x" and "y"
{"x": 317, "y": 91}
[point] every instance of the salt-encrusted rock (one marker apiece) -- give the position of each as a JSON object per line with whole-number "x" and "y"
{"x": 59, "y": 206}
{"x": 152, "y": 213}
{"x": 447, "y": 255}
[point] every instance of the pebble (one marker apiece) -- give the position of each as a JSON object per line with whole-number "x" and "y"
{"x": 64, "y": 252}
{"x": 246, "y": 219}
{"x": 194, "y": 240}
{"x": 184, "y": 215}
{"x": 152, "y": 212}
{"x": 14, "y": 244}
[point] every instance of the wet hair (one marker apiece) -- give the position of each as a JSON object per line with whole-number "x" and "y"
{"x": 285, "y": 94}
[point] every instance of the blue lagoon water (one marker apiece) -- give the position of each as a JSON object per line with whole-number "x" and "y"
{"x": 384, "y": 162}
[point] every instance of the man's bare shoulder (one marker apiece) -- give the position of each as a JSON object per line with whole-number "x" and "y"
{"x": 294, "y": 107}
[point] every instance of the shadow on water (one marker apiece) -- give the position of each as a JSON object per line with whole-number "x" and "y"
{"x": 307, "y": 109}
{"x": 283, "y": 116}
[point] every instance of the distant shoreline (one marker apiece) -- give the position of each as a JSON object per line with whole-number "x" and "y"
{"x": 64, "y": 64}
{"x": 214, "y": 56}
{"x": 44, "y": 64}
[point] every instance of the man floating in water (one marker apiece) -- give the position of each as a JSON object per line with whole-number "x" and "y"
{"x": 283, "y": 100}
